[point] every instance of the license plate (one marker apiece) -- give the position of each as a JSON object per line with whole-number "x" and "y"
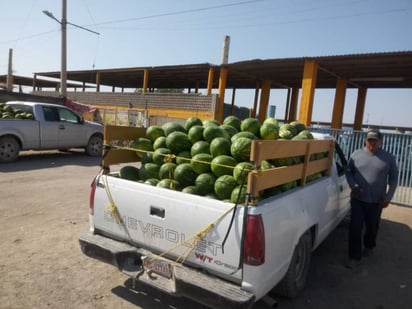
{"x": 158, "y": 266}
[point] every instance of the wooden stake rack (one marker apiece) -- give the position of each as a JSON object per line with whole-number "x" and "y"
{"x": 259, "y": 180}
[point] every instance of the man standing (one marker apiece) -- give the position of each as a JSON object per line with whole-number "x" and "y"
{"x": 372, "y": 175}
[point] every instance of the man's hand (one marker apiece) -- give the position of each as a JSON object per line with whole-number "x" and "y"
{"x": 384, "y": 203}
{"x": 356, "y": 191}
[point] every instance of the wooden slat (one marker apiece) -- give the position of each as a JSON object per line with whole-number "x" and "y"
{"x": 117, "y": 156}
{"x": 120, "y": 133}
{"x": 273, "y": 149}
{"x": 258, "y": 181}
{"x": 112, "y": 133}
{"x": 263, "y": 150}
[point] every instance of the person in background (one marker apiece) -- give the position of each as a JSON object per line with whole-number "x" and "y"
{"x": 372, "y": 174}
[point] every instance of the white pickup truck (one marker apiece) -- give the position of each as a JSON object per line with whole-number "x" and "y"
{"x": 214, "y": 252}
{"x": 50, "y": 127}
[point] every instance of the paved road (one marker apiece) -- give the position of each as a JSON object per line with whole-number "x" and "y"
{"x": 43, "y": 210}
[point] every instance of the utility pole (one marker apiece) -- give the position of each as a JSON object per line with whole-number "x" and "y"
{"x": 10, "y": 72}
{"x": 63, "y": 73}
{"x": 63, "y": 22}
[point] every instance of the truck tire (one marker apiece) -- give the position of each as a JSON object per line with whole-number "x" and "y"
{"x": 298, "y": 271}
{"x": 95, "y": 146}
{"x": 9, "y": 149}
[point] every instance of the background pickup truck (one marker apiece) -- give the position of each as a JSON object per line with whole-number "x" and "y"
{"x": 219, "y": 253}
{"x": 41, "y": 126}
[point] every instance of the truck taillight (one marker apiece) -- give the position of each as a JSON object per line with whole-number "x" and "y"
{"x": 254, "y": 244}
{"x": 92, "y": 193}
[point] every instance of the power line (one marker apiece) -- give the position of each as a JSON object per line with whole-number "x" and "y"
{"x": 176, "y": 13}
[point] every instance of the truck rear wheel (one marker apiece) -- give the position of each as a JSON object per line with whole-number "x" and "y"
{"x": 298, "y": 271}
{"x": 95, "y": 146}
{"x": 9, "y": 149}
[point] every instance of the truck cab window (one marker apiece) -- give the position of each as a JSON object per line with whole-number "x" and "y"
{"x": 68, "y": 116}
{"x": 50, "y": 113}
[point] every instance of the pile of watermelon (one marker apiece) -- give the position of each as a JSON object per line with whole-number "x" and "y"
{"x": 208, "y": 158}
{"x": 8, "y": 112}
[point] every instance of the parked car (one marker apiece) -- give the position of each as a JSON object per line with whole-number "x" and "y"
{"x": 40, "y": 126}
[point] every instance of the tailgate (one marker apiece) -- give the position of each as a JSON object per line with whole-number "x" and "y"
{"x": 167, "y": 222}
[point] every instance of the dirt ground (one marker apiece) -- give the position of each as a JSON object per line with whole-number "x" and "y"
{"x": 44, "y": 209}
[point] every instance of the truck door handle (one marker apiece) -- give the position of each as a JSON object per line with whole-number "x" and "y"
{"x": 158, "y": 212}
{"x": 340, "y": 188}
{"x": 62, "y": 127}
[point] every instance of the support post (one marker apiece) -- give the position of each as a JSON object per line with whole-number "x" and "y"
{"x": 360, "y": 108}
{"x": 222, "y": 88}
{"x": 264, "y": 100}
{"x": 339, "y": 104}
{"x": 310, "y": 73}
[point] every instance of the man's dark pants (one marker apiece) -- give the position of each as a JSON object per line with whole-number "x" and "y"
{"x": 367, "y": 214}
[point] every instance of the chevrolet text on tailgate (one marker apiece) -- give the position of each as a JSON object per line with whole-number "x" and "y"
{"x": 217, "y": 252}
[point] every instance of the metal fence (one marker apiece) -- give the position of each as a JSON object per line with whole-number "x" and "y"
{"x": 399, "y": 144}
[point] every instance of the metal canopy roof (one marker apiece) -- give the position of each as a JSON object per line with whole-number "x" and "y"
{"x": 372, "y": 70}
{"x": 42, "y": 83}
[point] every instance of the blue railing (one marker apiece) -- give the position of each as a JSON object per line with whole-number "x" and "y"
{"x": 399, "y": 144}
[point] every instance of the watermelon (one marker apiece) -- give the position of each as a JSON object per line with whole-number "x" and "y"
{"x": 287, "y": 131}
{"x": 205, "y": 183}
{"x": 129, "y": 172}
{"x": 287, "y": 186}
{"x": 200, "y": 147}
{"x": 241, "y": 171}
{"x": 172, "y": 126}
{"x": 160, "y": 155}
{"x": 211, "y": 196}
{"x": 167, "y": 170}
{"x": 211, "y": 132}
{"x": 270, "y": 192}
{"x": 281, "y": 161}
{"x": 240, "y": 149}
{"x": 146, "y": 158}
{"x": 160, "y": 142}
{"x": 238, "y": 195}
{"x": 183, "y": 157}
{"x": 192, "y": 121}
{"x": 305, "y": 134}
{"x": 149, "y": 170}
{"x": 271, "y": 120}
{"x": 223, "y": 165}
{"x": 229, "y": 129}
{"x": 143, "y": 144}
{"x": 224, "y": 186}
{"x": 152, "y": 181}
{"x": 220, "y": 146}
{"x": 232, "y": 121}
{"x": 201, "y": 163}
{"x": 190, "y": 190}
{"x": 178, "y": 141}
{"x": 185, "y": 174}
{"x": 243, "y": 134}
{"x": 195, "y": 133}
{"x": 210, "y": 122}
{"x": 153, "y": 132}
{"x": 299, "y": 127}
{"x": 251, "y": 125}
{"x": 269, "y": 131}
{"x": 168, "y": 184}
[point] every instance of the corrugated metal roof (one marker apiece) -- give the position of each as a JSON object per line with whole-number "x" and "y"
{"x": 371, "y": 70}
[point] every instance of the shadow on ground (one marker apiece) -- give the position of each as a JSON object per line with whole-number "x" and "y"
{"x": 48, "y": 159}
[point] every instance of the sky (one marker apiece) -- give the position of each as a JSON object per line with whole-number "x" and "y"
{"x": 136, "y": 33}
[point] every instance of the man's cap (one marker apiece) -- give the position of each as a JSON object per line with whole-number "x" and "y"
{"x": 374, "y": 134}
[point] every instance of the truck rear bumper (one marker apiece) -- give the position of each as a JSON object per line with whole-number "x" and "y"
{"x": 184, "y": 281}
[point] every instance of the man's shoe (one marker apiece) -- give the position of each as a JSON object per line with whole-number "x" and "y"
{"x": 352, "y": 263}
{"x": 367, "y": 252}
